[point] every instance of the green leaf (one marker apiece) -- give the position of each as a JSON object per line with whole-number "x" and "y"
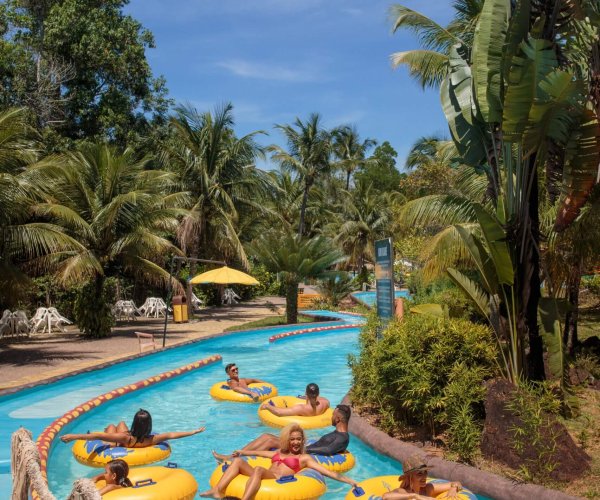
{"x": 495, "y": 238}
{"x": 527, "y": 71}
{"x": 436, "y": 310}
{"x": 490, "y": 37}
{"x": 481, "y": 258}
{"x": 472, "y": 290}
{"x": 459, "y": 107}
{"x": 580, "y": 172}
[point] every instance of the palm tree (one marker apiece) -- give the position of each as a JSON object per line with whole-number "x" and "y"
{"x": 296, "y": 259}
{"x": 22, "y": 184}
{"x": 121, "y": 215}
{"x": 217, "y": 169}
{"x": 364, "y": 216}
{"x": 308, "y": 155}
{"x": 429, "y": 64}
{"x": 350, "y": 151}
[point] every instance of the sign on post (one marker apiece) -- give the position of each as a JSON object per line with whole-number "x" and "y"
{"x": 384, "y": 278}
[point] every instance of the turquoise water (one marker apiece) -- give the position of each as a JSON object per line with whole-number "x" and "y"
{"x": 183, "y": 403}
{"x": 369, "y": 298}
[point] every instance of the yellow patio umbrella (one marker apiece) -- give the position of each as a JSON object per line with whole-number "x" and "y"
{"x": 224, "y": 276}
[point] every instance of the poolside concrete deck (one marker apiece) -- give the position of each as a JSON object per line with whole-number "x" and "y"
{"x": 26, "y": 361}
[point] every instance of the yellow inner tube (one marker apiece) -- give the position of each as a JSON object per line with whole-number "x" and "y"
{"x": 375, "y": 487}
{"x": 97, "y": 453}
{"x": 307, "y": 484}
{"x": 223, "y": 392}
{"x": 164, "y": 483}
{"x": 316, "y": 422}
{"x": 341, "y": 462}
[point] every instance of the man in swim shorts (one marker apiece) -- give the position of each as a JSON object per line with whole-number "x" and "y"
{"x": 238, "y": 384}
{"x": 330, "y": 444}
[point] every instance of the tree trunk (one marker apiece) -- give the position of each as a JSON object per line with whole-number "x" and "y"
{"x": 303, "y": 210}
{"x": 291, "y": 302}
{"x": 348, "y": 173}
{"x": 531, "y": 273}
{"x": 570, "y": 338}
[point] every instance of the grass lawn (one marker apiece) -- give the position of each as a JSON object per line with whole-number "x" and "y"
{"x": 270, "y": 321}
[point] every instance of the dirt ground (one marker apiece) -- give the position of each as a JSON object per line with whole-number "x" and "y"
{"x": 26, "y": 360}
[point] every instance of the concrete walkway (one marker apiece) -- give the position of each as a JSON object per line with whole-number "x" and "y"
{"x": 29, "y": 360}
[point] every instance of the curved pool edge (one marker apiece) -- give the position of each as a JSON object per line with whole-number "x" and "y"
{"x": 479, "y": 481}
{"x": 318, "y": 329}
{"x": 46, "y": 438}
{"x": 105, "y": 364}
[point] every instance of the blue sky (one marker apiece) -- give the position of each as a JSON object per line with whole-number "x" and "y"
{"x": 276, "y": 60}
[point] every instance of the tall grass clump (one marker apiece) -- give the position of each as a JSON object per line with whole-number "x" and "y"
{"x": 426, "y": 372}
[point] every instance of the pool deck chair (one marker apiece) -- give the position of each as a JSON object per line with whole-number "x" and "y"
{"x": 146, "y": 341}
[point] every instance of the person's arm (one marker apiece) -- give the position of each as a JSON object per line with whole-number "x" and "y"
{"x": 252, "y": 453}
{"x": 435, "y": 489}
{"x": 109, "y": 487}
{"x": 325, "y": 402}
{"x": 400, "y": 494}
{"x": 308, "y": 461}
{"x": 254, "y": 381}
{"x": 159, "y": 438}
{"x": 292, "y": 411}
{"x": 117, "y": 437}
{"x": 236, "y": 387}
{"x": 97, "y": 478}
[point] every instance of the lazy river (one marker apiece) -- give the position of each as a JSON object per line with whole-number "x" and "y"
{"x": 183, "y": 403}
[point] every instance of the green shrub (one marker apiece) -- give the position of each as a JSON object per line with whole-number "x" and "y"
{"x": 336, "y": 288}
{"x": 534, "y": 436}
{"x": 592, "y": 283}
{"x": 426, "y": 371}
{"x": 91, "y": 309}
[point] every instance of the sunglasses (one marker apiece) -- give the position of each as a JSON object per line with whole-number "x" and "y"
{"x": 234, "y": 370}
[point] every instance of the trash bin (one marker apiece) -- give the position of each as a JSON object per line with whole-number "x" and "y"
{"x": 180, "y": 309}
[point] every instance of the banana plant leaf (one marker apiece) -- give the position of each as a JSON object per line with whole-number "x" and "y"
{"x": 488, "y": 42}
{"x": 459, "y": 107}
{"x": 495, "y": 238}
{"x": 580, "y": 172}
{"x": 481, "y": 258}
{"x": 536, "y": 60}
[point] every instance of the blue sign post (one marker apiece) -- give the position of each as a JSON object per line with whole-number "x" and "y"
{"x": 384, "y": 278}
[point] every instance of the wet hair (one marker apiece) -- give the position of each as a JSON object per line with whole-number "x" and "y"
{"x": 312, "y": 393}
{"x": 121, "y": 470}
{"x": 286, "y": 434}
{"x": 141, "y": 427}
{"x": 229, "y": 367}
{"x": 345, "y": 412}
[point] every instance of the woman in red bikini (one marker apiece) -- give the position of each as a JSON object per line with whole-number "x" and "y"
{"x": 288, "y": 460}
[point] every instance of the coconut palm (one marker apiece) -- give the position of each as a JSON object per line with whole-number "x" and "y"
{"x": 22, "y": 184}
{"x": 218, "y": 171}
{"x": 295, "y": 259}
{"x": 364, "y": 215}
{"x": 350, "y": 151}
{"x": 308, "y": 155}
{"x": 121, "y": 214}
{"x": 428, "y": 65}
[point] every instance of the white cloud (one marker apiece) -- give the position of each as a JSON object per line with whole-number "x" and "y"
{"x": 264, "y": 71}
{"x": 349, "y": 118}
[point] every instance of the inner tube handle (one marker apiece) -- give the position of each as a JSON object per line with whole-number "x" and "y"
{"x": 358, "y": 491}
{"x": 286, "y": 479}
{"x": 144, "y": 482}
{"x": 171, "y": 465}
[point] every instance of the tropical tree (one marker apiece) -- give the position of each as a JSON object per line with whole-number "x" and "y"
{"x": 363, "y": 216}
{"x": 120, "y": 213}
{"x": 309, "y": 148}
{"x": 295, "y": 259}
{"x": 22, "y": 184}
{"x": 350, "y": 151}
{"x": 518, "y": 107}
{"x": 218, "y": 171}
{"x": 380, "y": 169}
{"x": 428, "y": 65}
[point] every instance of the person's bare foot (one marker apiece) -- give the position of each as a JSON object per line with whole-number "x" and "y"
{"x": 212, "y": 493}
{"x": 221, "y": 458}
